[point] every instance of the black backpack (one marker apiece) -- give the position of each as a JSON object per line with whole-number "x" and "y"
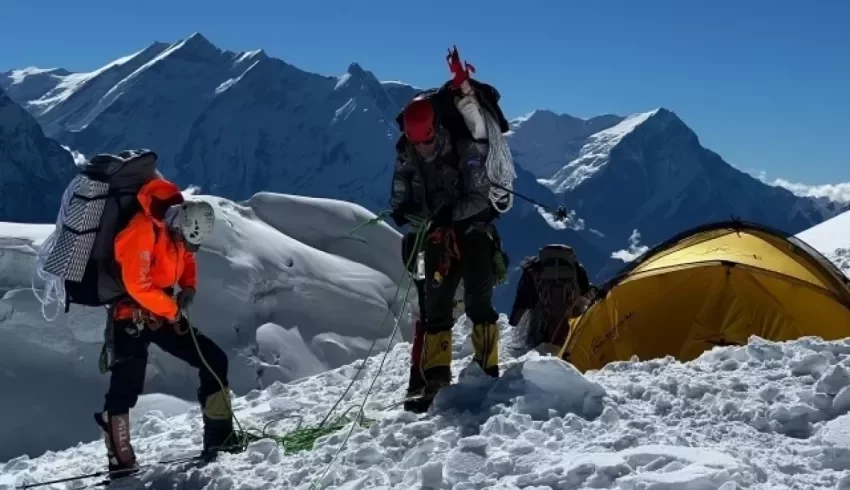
{"x": 555, "y": 273}
{"x": 447, "y": 114}
{"x": 78, "y": 259}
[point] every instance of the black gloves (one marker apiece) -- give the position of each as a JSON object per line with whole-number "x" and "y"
{"x": 185, "y": 298}
{"x": 398, "y": 216}
{"x": 443, "y": 217}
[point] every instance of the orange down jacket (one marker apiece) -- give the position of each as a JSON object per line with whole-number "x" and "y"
{"x": 150, "y": 258}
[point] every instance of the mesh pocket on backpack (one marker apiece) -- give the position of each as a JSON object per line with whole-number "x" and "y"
{"x": 77, "y": 228}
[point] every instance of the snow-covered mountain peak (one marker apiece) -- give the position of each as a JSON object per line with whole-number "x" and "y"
{"x": 197, "y": 47}
{"x": 254, "y": 54}
{"x": 650, "y": 170}
{"x": 596, "y": 151}
{"x": 544, "y": 141}
{"x": 70, "y": 101}
{"x": 355, "y": 69}
{"x": 358, "y": 78}
{"x": 359, "y": 90}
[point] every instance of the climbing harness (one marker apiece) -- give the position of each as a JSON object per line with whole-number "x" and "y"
{"x": 450, "y": 252}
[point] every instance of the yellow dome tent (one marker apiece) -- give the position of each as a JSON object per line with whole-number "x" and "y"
{"x": 713, "y": 285}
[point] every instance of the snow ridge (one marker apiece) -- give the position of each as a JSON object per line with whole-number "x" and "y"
{"x": 237, "y": 123}
{"x": 595, "y": 154}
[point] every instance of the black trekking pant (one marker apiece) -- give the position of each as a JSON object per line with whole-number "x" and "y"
{"x": 474, "y": 265}
{"x": 449, "y": 257}
{"x": 131, "y": 356}
{"x": 416, "y": 381}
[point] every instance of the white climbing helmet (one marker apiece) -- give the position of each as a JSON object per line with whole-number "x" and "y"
{"x": 194, "y": 220}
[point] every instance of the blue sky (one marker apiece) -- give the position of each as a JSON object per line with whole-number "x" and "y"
{"x": 766, "y": 84}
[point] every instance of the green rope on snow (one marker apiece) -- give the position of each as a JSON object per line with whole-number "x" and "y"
{"x": 420, "y": 235}
{"x": 374, "y": 221}
{"x": 304, "y": 438}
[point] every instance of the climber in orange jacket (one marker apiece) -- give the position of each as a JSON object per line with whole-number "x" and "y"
{"x": 155, "y": 253}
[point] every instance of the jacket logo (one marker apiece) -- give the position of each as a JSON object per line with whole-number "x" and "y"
{"x": 145, "y": 269}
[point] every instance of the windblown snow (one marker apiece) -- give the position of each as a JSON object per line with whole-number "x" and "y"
{"x": 285, "y": 298}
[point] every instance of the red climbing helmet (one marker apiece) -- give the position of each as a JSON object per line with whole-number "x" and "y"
{"x": 419, "y": 121}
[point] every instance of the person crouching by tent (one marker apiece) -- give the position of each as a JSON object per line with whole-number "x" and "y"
{"x": 552, "y": 289}
{"x": 155, "y": 252}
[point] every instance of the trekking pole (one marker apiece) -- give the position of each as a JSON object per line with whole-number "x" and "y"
{"x": 186, "y": 459}
{"x": 560, "y": 213}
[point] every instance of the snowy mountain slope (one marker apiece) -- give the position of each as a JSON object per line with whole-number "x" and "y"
{"x": 400, "y": 92}
{"x": 832, "y": 238}
{"x": 281, "y": 308}
{"x": 649, "y": 172}
{"x": 34, "y": 169}
{"x": 38, "y": 82}
{"x": 544, "y": 141}
{"x": 266, "y": 126}
{"x": 61, "y": 100}
{"x": 765, "y": 415}
{"x": 233, "y": 123}
{"x": 322, "y": 137}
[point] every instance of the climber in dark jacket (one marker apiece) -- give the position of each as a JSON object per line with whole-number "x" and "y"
{"x": 408, "y": 200}
{"x": 552, "y": 292}
{"x": 440, "y": 162}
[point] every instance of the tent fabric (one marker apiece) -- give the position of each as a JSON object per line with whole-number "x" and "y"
{"x": 714, "y": 285}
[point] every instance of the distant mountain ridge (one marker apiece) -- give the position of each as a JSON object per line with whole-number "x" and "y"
{"x": 236, "y": 123}
{"x": 34, "y": 169}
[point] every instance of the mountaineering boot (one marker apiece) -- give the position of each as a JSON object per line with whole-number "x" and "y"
{"x": 116, "y": 437}
{"x": 485, "y": 347}
{"x": 436, "y": 368}
{"x": 415, "y": 388}
{"x": 415, "y": 381}
{"x": 218, "y": 425}
{"x": 415, "y": 385}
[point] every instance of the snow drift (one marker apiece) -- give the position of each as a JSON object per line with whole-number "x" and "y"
{"x": 764, "y": 415}
{"x": 279, "y": 272}
{"x": 832, "y": 238}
